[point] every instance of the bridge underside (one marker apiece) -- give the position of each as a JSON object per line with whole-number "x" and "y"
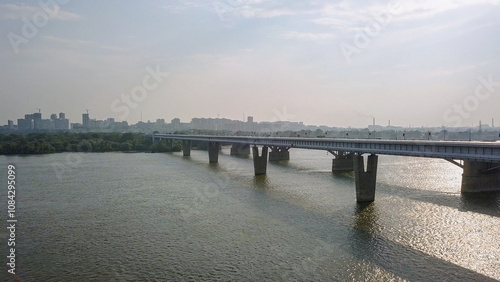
{"x": 279, "y": 154}
{"x": 240, "y": 149}
{"x": 343, "y": 162}
{"x": 480, "y": 177}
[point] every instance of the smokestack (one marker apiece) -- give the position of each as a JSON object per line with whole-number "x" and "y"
{"x": 373, "y": 121}
{"x": 492, "y": 122}
{"x": 389, "y": 122}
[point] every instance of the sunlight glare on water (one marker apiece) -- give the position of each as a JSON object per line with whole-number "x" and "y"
{"x": 163, "y": 216}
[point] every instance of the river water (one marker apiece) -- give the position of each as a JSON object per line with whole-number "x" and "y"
{"x": 117, "y": 216}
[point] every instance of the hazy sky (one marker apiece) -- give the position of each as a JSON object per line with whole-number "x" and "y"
{"x": 333, "y": 63}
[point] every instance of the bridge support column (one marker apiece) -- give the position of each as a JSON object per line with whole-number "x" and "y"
{"x": 365, "y": 180}
{"x": 186, "y": 148}
{"x": 343, "y": 162}
{"x": 240, "y": 149}
{"x": 213, "y": 152}
{"x": 155, "y": 141}
{"x": 279, "y": 154}
{"x": 259, "y": 162}
{"x": 480, "y": 177}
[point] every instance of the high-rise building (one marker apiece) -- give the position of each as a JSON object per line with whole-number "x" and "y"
{"x": 61, "y": 124}
{"x": 62, "y": 115}
{"x": 86, "y": 120}
{"x": 10, "y": 124}
{"x": 37, "y": 120}
{"x": 160, "y": 122}
{"x": 176, "y": 123}
{"x": 109, "y": 123}
{"x": 46, "y": 124}
{"x": 249, "y": 119}
{"x": 24, "y": 124}
{"x": 53, "y": 116}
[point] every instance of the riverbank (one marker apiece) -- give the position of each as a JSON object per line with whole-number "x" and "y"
{"x": 48, "y": 143}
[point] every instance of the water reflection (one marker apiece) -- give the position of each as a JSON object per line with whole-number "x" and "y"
{"x": 237, "y": 225}
{"x": 363, "y": 234}
{"x": 360, "y": 238}
{"x": 368, "y": 245}
{"x": 261, "y": 182}
{"x": 486, "y": 203}
{"x": 288, "y": 165}
{"x": 365, "y": 217}
{"x": 243, "y": 157}
{"x": 214, "y": 167}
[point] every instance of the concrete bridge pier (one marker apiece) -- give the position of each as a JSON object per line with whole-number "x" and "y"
{"x": 186, "y": 148}
{"x": 259, "y": 162}
{"x": 213, "y": 152}
{"x": 365, "y": 180}
{"x": 240, "y": 149}
{"x": 279, "y": 154}
{"x": 343, "y": 162}
{"x": 480, "y": 177}
{"x": 154, "y": 139}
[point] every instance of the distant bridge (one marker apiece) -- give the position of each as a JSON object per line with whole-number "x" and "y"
{"x": 479, "y": 160}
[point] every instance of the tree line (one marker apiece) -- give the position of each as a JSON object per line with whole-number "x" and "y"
{"x": 47, "y": 143}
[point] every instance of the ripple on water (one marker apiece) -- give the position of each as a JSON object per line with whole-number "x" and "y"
{"x": 164, "y": 217}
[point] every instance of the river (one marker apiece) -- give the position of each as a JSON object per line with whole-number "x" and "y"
{"x": 140, "y": 216}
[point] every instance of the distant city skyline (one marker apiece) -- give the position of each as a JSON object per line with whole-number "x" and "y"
{"x": 87, "y": 121}
{"x": 334, "y": 63}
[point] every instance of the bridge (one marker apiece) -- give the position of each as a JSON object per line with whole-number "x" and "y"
{"x": 480, "y": 161}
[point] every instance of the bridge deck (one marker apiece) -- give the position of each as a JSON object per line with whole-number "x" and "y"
{"x": 457, "y": 150}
